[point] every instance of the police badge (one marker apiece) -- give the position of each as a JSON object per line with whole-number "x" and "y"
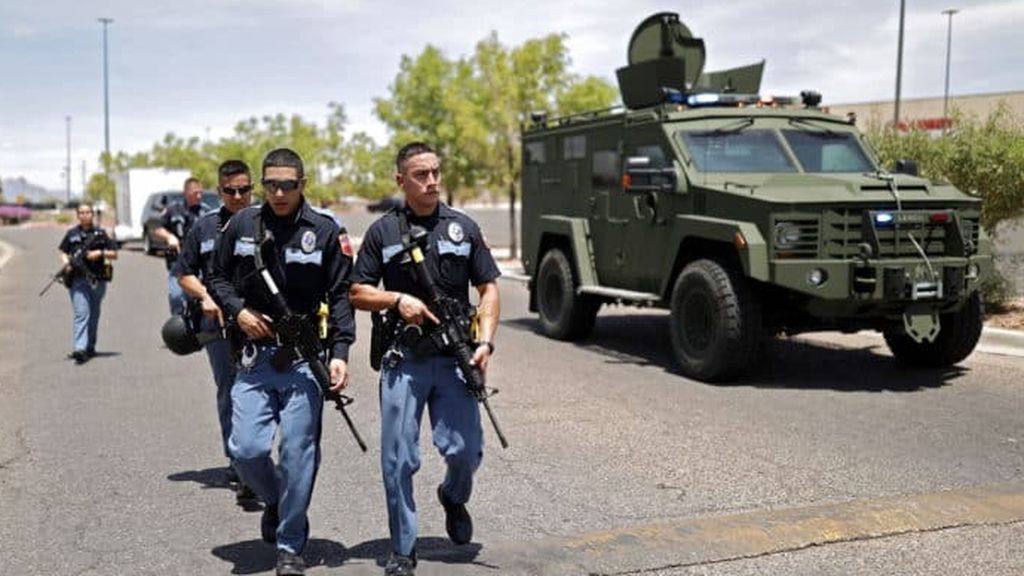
{"x": 308, "y": 241}
{"x": 455, "y": 232}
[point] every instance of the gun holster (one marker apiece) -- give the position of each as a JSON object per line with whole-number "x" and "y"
{"x": 382, "y": 336}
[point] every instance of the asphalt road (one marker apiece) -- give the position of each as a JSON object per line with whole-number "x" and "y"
{"x": 827, "y": 459}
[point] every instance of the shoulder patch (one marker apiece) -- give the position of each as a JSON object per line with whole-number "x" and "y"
{"x": 346, "y": 244}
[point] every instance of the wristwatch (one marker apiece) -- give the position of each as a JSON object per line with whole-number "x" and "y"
{"x": 490, "y": 345}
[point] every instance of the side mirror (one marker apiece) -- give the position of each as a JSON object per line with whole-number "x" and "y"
{"x": 908, "y": 167}
{"x": 641, "y": 178}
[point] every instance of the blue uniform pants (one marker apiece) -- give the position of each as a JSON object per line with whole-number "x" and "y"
{"x": 406, "y": 389}
{"x": 176, "y": 297}
{"x": 223, "y": 368}
{"x": 262, "y": 401}
{"x": 86, "y": 298}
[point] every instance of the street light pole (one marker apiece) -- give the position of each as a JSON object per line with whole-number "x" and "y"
{"x": 106, "y": 102}
{"x": 67, "y": 166}
{"x": 949, "y": 49}
{"x": 899, "y": 66}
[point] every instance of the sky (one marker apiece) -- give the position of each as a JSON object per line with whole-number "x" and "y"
{"x": 197, "y": 67}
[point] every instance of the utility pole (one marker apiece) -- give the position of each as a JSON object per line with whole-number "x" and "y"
{"x": 949, "y": 49}
{"x": 106, "y": 103}
{"x": 899, "y": 66}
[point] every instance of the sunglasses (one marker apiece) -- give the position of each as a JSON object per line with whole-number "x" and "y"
{"x": 241, "y": 190}
{"x": 285, "y": 185}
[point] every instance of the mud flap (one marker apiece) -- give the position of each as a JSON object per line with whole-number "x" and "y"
{"x": 922, "y": 326}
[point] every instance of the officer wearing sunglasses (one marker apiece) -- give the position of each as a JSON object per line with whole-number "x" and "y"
{"x": 310, "y": 260}
{"x": 198, "y": 248}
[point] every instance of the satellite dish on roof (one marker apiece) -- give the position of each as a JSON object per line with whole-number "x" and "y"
{"x": 662, "y": 35}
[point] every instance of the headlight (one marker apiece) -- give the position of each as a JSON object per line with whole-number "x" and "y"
{"x": 786, "y": 234}
{"x": 817, "y": 277}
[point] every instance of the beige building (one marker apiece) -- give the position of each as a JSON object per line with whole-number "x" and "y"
{"x": 926, "y": 113}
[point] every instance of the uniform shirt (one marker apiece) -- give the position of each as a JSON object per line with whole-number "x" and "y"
{"x": 178, "y": 220}
{"x": 456, "y": 255}
{"x": 309, "y": 268}
{"x": 200, "y": 244}
{"x": 94, "y": 238}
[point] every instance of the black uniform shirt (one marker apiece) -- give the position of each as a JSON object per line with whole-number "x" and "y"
{"x": 456, "y": 255}
{"x": 200, "y": 244}
{"x": 94, "y": 238}
{"x": 309, "y": 268}
{"x": 178, "y": 220}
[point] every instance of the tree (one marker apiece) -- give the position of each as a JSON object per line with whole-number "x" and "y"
{"x": 511, "y": 85}
{"x": 422, "y": 106}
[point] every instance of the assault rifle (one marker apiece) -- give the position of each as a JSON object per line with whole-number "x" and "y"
{"x": 299, "y": 339}
{"x": 453, "y": 333}
{"x": 76, "y": 263}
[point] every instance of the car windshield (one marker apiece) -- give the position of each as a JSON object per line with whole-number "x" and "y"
{"x": 737, "y": 151}
{"x": 827, "y": 151}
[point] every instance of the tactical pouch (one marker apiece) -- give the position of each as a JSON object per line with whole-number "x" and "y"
{"x": 376, "y": 340}
{"x": 108, "y": 272}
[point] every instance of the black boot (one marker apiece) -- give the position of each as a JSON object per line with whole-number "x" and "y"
{"x": 289, "y": 564}
{"x": 457, "y": 520}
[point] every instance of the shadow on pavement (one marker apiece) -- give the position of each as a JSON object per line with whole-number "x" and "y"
{"x": 255, "y": 556}
{"x": 643, "y": 340}
{"x": 207, "y": 478}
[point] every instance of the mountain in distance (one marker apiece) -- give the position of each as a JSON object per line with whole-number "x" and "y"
{"x": 15, "y": 188}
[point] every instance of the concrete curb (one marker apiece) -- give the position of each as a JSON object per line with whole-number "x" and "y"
{"x": 6, "y": 253}
{"x": 1001, "y": 341}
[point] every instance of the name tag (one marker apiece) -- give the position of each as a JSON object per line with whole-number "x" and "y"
{"x": 460, "y": 249}
{"x": 243, "y": 248}
{"x": 389, "y": 252}
{"x": 207, "y": 246}
{"x": 292, "y": 256}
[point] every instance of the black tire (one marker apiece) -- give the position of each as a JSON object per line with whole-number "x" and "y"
{"x": 959, "y": 333}
{"x": 564, "y": 314}
{"x": 716, "y": 322}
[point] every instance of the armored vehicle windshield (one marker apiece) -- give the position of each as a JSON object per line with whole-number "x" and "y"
{"x": 741, "y": 149}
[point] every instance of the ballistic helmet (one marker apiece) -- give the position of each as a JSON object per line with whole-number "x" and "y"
{"x": 179, "y": 337}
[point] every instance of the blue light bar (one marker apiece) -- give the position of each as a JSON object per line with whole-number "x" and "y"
{"x": 702, "y": 99}
{"x": 883, "y": 218}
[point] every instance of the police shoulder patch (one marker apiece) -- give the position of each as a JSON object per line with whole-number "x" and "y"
{"x": 345, "y": 243}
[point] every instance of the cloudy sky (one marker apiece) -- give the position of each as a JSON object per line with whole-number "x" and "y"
{"x": 196, "y": 67}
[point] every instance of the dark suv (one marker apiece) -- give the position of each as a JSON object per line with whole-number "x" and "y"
{"x": 156, "y": 204}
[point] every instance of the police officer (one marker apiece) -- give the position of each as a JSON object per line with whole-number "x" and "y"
{"x": 84, "y": 252}
{"x": 175, "y": 223}
{"x": 424, "y": 377}
{"x": 304, "y": 253}
{"x": 191, "y": 269}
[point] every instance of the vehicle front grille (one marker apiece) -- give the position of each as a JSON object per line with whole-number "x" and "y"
{"x": 844, "y": 232}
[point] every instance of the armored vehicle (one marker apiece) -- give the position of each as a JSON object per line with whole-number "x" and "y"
{"x": 745, "y": 216}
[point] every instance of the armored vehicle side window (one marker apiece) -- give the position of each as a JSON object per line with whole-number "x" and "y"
{"x": 536, "y": 153}
{"x": 827, "y": 151}
{"x": 606, "y": 166}
{"x": 747, "y": 151}
{"x": 574, "y": 148}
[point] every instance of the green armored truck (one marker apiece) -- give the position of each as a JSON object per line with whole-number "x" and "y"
{"x": 744, "y": 216}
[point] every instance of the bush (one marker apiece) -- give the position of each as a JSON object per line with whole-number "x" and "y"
{"x": 982, "y": 158}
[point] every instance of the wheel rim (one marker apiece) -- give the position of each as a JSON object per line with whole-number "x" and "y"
{"x": 551, "y": 295}
{"x": 697, "y": 323}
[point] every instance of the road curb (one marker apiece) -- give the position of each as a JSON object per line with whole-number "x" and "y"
{"x": 1001, "y": 341}
{"x": 700, "y": 541}
{"x": 6, "y": 253}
